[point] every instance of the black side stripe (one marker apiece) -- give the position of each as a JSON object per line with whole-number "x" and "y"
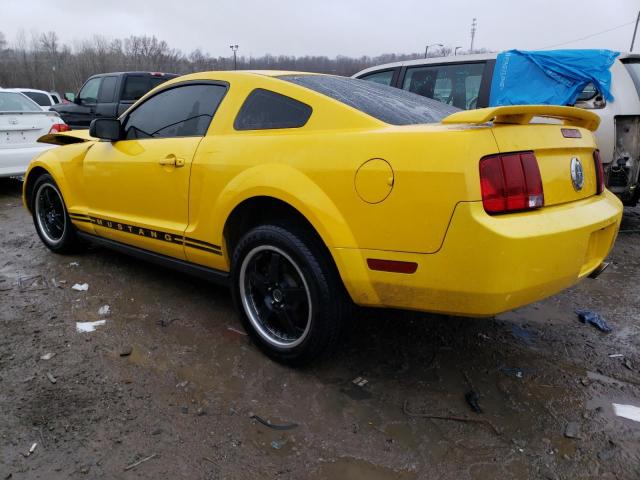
{"x": 147, "y": 232}
{"x": 205, "y": 244}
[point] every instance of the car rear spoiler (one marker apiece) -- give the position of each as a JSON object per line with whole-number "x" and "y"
{"x": 66, "y": 138}
{"x": 523, "y": 114}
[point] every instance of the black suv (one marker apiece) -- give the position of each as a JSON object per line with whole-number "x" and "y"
{"x": 107, "y": 95}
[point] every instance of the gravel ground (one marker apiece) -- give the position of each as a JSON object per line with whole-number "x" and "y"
{"x": 170, "y": 387}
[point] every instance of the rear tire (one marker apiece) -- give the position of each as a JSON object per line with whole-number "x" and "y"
{"x": 50, "y": 217}
{"x": 288, "y": 295}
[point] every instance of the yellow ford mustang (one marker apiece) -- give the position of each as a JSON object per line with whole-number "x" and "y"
{"x": 308, "y": 192}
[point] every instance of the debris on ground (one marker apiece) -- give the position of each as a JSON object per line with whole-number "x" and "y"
{"x": 34, "y": 282}
{"x": 47, "y": 356}
{"x": 513, "y": 371}
{"x": 473, "y": 399}
{"x": 51, "y": 378}
{"x": 572, "y": 430}
{"x": 449, "y": 417}
{"x": 182, "y": 384}
{"x": 32, "y": 449}
{"x": 594, "y": 319}
{"x": 626, "y": 411}
{"x": 80, "y": 287}
{"x": 277, "y": 445}
{"x": 235, "y": 330}
{"x": 84, "y": 327}
{"x": 74, "y": 264}
{"x": 627, "y": 363}
{"x": 139, "y": 462}
{"x": 165, "y": 323}
{"x": 359, "y": 381}
{"x": 267, "y": 423}
{"x": 104, "y": 310}
{"x": 126, "y": 351}
{"x": 616, "y": 355}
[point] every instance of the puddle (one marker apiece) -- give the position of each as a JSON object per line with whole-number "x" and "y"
{"x": 83, "y": 327}
{"x": 354, "y": 469}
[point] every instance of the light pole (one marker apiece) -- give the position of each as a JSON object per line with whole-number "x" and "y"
{"x": 234, "y": 48}
{"x": 455, "y": 52}
{"x": 426, "y": 50}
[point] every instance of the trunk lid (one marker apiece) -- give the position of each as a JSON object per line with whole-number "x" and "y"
{"x": 22, "y": 129}
{"x": 564, "y": 140}
{"x": 555, "y": 155}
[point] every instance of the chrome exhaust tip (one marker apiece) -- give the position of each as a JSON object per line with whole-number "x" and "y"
{"x": 599, "y": 269}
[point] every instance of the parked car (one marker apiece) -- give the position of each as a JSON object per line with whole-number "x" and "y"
{"x": 306, "y": 192}
{"x": 465, "y": 82}
{"x": 108, "y": 95}
{"x": 22, "y": 122}
{"x": 45, "y": 99}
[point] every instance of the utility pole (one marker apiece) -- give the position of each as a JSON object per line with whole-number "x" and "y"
{"x": 635, "y": 30}
{"x": 234, "y": 48}
{"x": 474, "y": 25}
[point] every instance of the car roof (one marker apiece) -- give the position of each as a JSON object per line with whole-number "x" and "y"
{"x": 453, "y": 59}
{"x": 160, "y": 74}
{"x": 18, "y": 89}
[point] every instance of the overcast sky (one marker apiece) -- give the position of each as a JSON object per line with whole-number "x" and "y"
{"x": 331, "y": 27}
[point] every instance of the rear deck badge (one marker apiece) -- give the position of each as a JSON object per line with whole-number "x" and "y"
{"x": 577, "y": 174}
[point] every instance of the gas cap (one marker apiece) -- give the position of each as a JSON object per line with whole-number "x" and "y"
{"x": 374, "y": 180}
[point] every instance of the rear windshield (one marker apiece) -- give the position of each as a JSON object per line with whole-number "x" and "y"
{"x": 40, "y": 98}
{"x": 16, "y": 102}
{"x": 633, "y": 67}
{"x": 391, "y": 105}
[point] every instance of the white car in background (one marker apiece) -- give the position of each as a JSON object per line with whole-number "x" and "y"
{"x": 464, "y": 81}
{"x": 45, "y": 99}
{"x": 22, "y": 122}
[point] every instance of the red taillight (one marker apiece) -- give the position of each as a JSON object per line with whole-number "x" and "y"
{"x": 599, "y": 172}
{"x": 59, "y": 127}
{"x": 511, "y": 182}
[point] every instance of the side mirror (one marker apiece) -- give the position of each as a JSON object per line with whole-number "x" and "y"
{"x": 105, "y": 128}
{"x": 69, "y": 96}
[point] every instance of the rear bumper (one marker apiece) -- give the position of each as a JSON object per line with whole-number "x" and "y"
{"x": 488, "y": 265}
{"x": 14, "y": 161}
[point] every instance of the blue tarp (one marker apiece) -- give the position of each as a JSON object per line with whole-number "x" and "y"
{"x": 553, "y": 77}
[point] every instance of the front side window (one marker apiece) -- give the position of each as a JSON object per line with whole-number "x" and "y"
{"x": 41, "y": 99}
{"x": 16, "y": 102}
{"x": 383, "y": 78}
{"x": 457, "y": 85}
{"x": 89, "y": 93}
{"x": 264, "y": 109}
{"x": 183, "y": 111}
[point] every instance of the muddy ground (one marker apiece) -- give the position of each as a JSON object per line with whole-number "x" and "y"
{"x": 185, "y": 394}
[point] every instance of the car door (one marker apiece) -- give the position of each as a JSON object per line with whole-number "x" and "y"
{"x": 137, "y": 188}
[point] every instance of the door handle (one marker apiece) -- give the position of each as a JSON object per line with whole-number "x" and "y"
{"x": 172, "y": 161}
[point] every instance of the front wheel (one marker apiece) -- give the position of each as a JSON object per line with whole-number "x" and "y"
{"x": 50, "y": 217}
{"x": 289, "y": 296}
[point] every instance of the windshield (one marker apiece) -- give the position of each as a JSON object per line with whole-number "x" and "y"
{"x": 633, "y": 67}
{"x": 16, "y": 102}
{"x": 391, "y": 105}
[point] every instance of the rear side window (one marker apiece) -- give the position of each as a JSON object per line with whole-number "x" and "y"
{"x": 40, "y": 98}
{"x": 264, "y": 109}
{"x": 383, "y": 78}
{"x": 388, "y": 104}
{"x": 135, "y": 87}
{"x": 457, "y": 84}
{"x": 107, "y": 90}
{"x": 183, "y": 111}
